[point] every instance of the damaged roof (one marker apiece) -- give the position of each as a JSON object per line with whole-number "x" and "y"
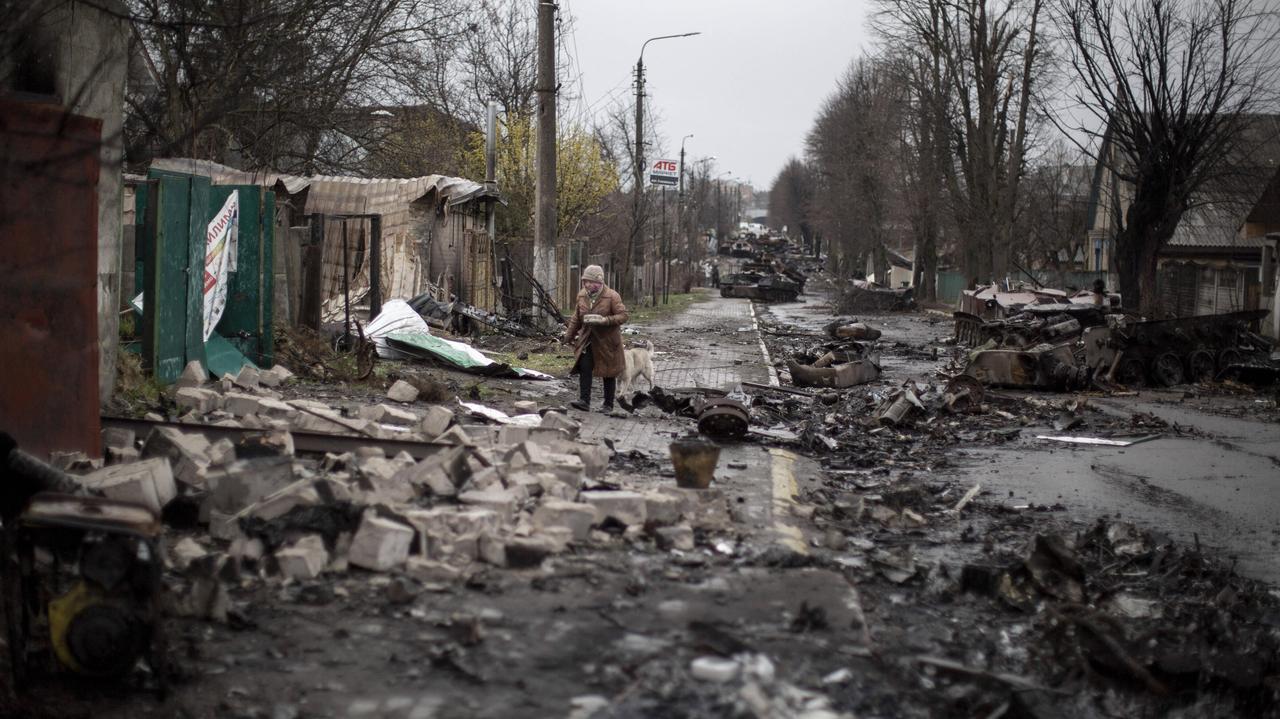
{"x": 334, "y": 194}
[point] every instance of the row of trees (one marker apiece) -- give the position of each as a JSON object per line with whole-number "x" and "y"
{"x": 951, "y": 139}
{"x": 385, "y": 88}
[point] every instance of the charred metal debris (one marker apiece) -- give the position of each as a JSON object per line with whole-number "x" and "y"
{"x": 1042, "y": 339}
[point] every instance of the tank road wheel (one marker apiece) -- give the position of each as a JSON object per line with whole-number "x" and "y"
{"x": 1200, "y": 366}
{"x": 1131, "y": 373}
{"x": 1228, "y": 357}
{"x": 1166, "y": 369}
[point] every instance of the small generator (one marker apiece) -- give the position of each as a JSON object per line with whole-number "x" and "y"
{"x": 81, "y": 579}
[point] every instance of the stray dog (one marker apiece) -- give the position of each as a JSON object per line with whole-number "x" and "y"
{"x": 639, "y": 364}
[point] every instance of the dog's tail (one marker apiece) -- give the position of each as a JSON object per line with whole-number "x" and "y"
{"x": 649, "y": 345}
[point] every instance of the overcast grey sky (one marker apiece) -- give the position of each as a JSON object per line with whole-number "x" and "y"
{"x": 747, "y": 88}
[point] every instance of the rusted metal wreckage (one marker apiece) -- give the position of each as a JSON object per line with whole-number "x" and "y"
{"x": 864, "y": 296}
{"x": 1046, "y": 339}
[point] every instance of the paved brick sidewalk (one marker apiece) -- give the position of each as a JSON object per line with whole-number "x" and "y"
{"x": 711, "y": 344}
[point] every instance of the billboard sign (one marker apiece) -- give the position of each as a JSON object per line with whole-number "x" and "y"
{"x": 664, "y": 172}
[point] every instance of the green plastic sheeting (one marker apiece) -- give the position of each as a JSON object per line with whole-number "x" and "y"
{"x": 223, "y": 357}
{"x": 428, "y": 346}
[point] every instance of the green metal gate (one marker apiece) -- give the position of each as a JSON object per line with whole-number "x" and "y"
{"x": 173, "y": 211}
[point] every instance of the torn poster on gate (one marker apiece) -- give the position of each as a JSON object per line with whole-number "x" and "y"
{"x": 219, "y": 259}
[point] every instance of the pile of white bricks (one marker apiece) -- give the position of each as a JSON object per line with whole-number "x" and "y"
{"x": 507, "y": 496}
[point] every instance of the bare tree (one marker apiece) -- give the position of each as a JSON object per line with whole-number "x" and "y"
{"x": 854, "y": 150}
{"x": 1166, "y": 88}
{"x": 791, "y": 200}
{"x": 1052, "y": 219}
{"x": 274, "y": 83}
{"x": 980, "y": 60}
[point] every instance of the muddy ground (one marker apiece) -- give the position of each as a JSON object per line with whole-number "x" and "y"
{"x": 1077, "y": 582}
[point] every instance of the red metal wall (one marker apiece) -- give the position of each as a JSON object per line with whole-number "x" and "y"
{"x": 48, "y": 278}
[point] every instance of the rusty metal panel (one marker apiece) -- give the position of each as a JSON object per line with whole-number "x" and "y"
{"x": 48, "y": 278}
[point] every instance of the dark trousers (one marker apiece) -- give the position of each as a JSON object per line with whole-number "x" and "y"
{"x": 586, "y": 363}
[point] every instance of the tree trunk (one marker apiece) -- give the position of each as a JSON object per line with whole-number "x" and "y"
{"x": 1149, "y": 225}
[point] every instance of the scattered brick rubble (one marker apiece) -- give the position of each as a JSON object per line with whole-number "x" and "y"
{"x": 506, "y": 496}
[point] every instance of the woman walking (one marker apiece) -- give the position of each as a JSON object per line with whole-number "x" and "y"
{"x": 596, "y": 331}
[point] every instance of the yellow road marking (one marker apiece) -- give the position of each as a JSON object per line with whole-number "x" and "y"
{"x": 785, "y": 490}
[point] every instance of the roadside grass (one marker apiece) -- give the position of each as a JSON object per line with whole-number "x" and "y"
{"x": 554, "y": 361}
{"x": 676, "y": 303}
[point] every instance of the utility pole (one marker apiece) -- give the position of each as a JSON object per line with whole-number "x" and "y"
{"x": 635, "y": 245}
{"x": 662, "y": 252}
{"x": 680, "y": 222}
{"x": 491, "y": 168}
{"x": 544, "y": 228}
{"x": 637, "y": 222}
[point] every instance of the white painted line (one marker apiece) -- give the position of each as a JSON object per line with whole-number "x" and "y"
{"x": 768, "y": 361}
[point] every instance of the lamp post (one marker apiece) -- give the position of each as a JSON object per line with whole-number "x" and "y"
{"x": 637, "y": 225}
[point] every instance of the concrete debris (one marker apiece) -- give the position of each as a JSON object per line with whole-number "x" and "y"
{"x": 248, "y": 377}
{"x": 234, "y": 487}
{"x": 714, "y": 669}
{"x": 148, "y": 482}
{"x": 281, "y": 502}
{"x": 578, "y": 517}
{"x": 275, "y": 376}
{"x": 401, "y": 391}
{"x": 380, "y": 544}
{"x": 196, "y": 399}
{"x": 386, "y": 414}
{"x": 186, "y": 551}
{"x": 240, "y": 404}
{"x": 304, "y": 559}
{"x": 561, "y": 421}
{"x": 457, "y": 436}
{"x": 628, "y": 508}
{"x": 193, "y": 375}
{"x": 679, "y": 537}
{"x": 436, "y": 421}
{"x": 501, "y": 501}
{"x": 662, "y": 509}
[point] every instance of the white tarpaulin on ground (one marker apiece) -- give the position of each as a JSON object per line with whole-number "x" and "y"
{"x": 399, "y": 332}
{"x": 396, "y": 316}
{"x": 219, "y": 259}
{"x": 497, "y": 415}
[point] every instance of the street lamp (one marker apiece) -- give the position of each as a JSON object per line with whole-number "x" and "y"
{"x": 637, "y": 228}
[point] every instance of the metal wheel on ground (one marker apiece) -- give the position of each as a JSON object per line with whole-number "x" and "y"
{"x": 1228, "y": 357}
{"x": 1200, "y": 366}
{"x": 1131, "y": 373}
{"x": 1166, "y": 369}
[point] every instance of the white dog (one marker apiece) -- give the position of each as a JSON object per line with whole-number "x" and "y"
{"x": 639, "y": 364}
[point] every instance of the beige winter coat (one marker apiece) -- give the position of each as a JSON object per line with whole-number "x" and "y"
{"x": 606, "y": 339}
